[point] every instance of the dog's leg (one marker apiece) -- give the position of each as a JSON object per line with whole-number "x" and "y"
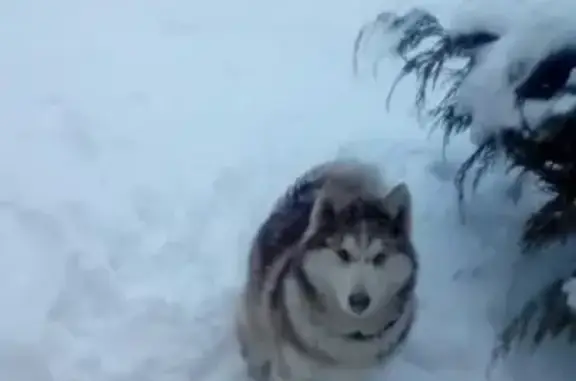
{"x": 259, "y": 366}
{"x": 251, "y": 345}
{"x": 279, "y": 369}
{"x": 260, "y": 372}
{"x": 290, "y": 365}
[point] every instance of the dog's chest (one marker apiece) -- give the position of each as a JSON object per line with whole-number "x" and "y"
{"x": 350, "y": 361}
{"x": 297, "y": 366}
{"x": 326, "y": 347}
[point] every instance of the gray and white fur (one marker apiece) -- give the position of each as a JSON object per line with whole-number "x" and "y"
{"x": 332, "y": 275}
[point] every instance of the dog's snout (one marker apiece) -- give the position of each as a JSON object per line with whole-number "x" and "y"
{"x": 359, "y": 302}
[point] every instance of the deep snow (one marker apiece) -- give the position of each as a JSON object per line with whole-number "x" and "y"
{"x": 141, "y": 142}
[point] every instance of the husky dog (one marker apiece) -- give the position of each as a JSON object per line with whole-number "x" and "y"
{"x": 332, "y": 276}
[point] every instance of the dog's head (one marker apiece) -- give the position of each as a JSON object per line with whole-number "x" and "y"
{"x": 358, "y": 255}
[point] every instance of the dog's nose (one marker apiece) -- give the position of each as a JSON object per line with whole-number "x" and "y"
{"x": 359, "y": 301}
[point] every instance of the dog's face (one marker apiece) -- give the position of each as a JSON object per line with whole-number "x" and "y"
{"x": 360, "y": 257}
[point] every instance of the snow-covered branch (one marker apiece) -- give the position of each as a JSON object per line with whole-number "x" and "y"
{"x": 569, "y": 288}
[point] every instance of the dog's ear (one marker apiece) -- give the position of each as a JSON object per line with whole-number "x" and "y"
{"x": 398, "y": 203}
{"x": 322, "y": 217}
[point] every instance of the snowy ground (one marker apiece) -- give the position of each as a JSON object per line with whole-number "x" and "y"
{"x": 140, "y": 144}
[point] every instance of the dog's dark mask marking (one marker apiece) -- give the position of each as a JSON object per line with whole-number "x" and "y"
{"x": 351, "y": 217}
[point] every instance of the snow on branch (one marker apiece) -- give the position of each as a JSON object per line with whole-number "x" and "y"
{"x": 428, "y": 51}
{"x": 569, "y": 288}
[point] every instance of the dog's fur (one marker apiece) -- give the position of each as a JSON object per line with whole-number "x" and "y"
{"x": 339, "y": 230}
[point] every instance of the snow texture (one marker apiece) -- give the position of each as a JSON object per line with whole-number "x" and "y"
{"x": 525, "y": 40}
{"x": 141, "y": 142}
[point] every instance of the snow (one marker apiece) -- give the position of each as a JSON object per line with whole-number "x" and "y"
{"x": 525, "y": 40}
{"x": 569, "y": 288}
{"x": 141, "y": 144}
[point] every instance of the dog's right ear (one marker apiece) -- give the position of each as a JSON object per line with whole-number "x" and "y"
{"x": 322, "y": 217}
{"x": 398, "y": 202}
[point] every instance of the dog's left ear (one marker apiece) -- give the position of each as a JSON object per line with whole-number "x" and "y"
{"x": 398, "y": 202}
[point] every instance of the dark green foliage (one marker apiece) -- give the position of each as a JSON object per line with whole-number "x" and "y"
{"x": 547, "y": 315}
{"x": 547, "y": 153}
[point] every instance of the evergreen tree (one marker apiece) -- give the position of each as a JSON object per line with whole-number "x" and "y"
{"x": 545, "y": 149}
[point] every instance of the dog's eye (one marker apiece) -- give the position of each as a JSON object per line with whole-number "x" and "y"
{"x": 344, "y": 255}
{"x": 379, "y": 259}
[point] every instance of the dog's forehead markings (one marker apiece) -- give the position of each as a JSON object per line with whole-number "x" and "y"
{"x": 362, "y": 238}
{"x": 362, "y": 243}
{"x": 350, "y": 243}
{"x": 370, "y": 244}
